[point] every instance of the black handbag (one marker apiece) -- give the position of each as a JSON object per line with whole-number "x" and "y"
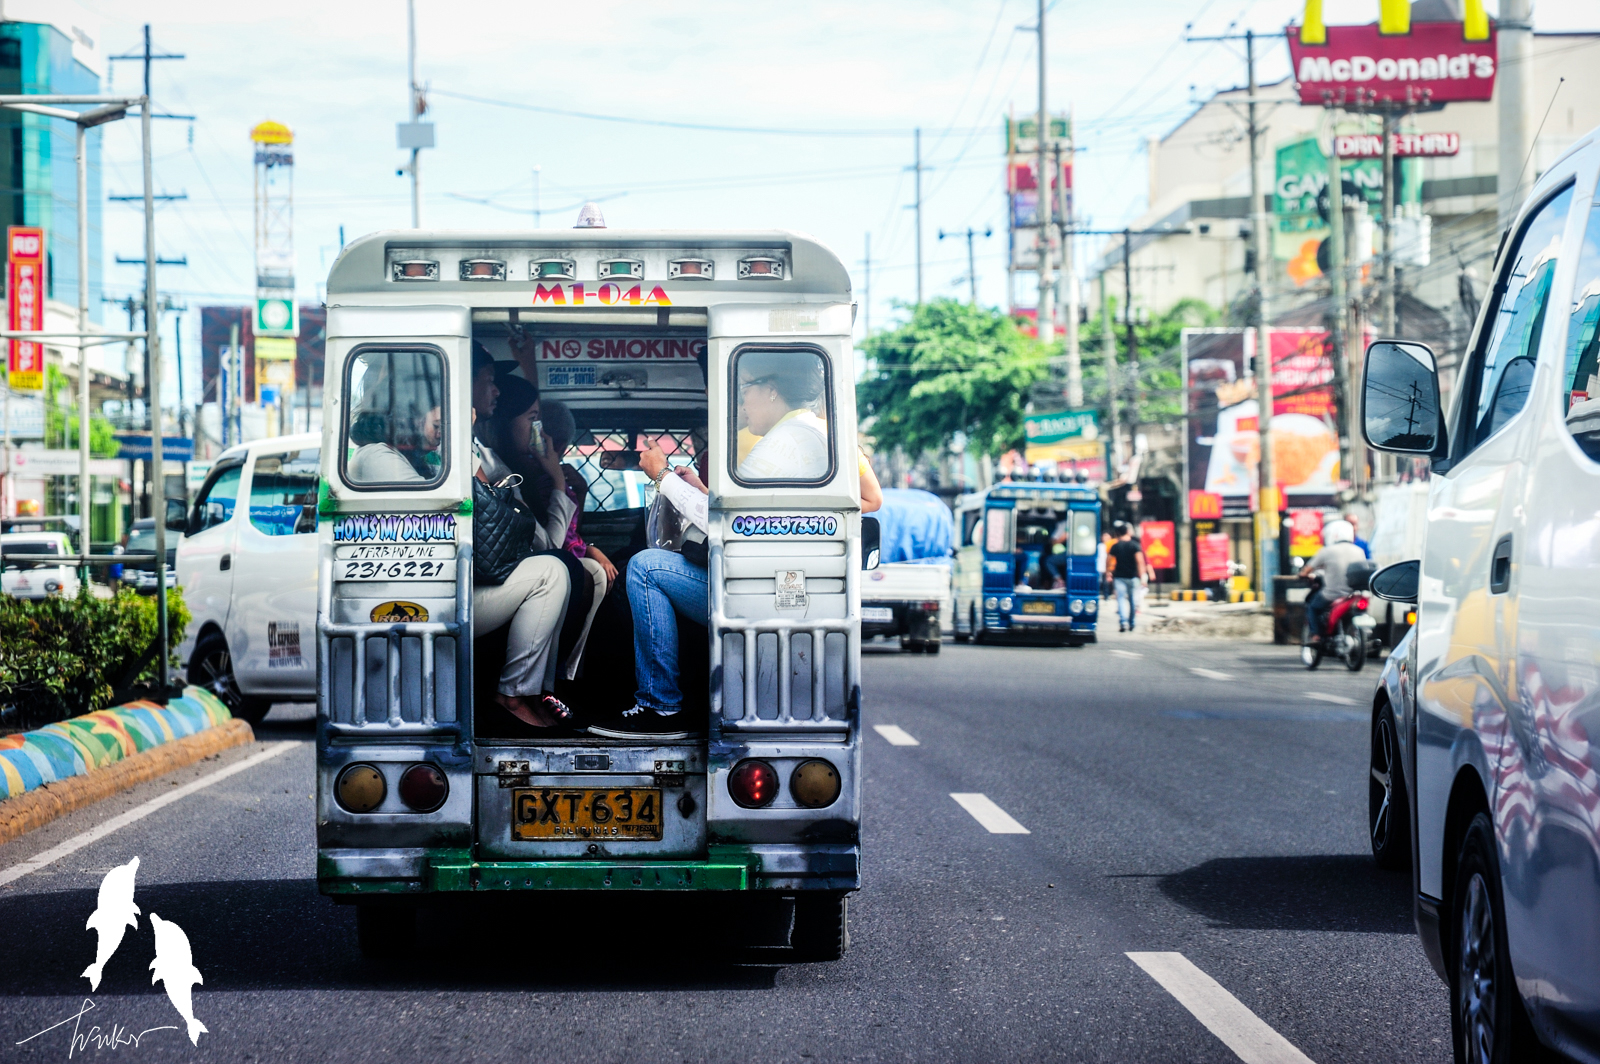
{"x": 502, "y": 530}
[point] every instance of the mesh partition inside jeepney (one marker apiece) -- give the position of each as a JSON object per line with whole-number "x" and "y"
{"x": 609, "y": 464}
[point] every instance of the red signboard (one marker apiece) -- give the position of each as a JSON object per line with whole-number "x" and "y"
{"x": 1205, "y": 506}
{"x": 1360, "y": 67}
{"x": 25, "y": 305}
{"x": 1305, "y": 533}
{"x": 1159, "y": 539}
{"x": 1406, "y": 145}
{"x": 1212, "y": 549}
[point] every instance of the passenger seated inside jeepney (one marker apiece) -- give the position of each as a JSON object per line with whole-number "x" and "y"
{"x": 396, "y": 423}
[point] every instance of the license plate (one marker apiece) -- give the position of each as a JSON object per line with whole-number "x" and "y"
{"x": 393, "y": 569}
{"x": 877, "y": 613}
{"x": 1038, "y": 607}
{"x": 624, "y": 813}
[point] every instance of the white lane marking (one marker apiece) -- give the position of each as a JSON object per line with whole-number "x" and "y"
{"x": 1212, "y": 674}
{"x": 991, "y": 816}
{"x": 1222, "y": 1014}
{"x": 896, "y": 735}
{"x": 1126, "y": 654}
{"x": 117, "y": 823}
{"x": 1338, "y": 700}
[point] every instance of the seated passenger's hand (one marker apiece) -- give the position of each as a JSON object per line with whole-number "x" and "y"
{"x": 652, "y": 460}
{"x": 688, "y": 474}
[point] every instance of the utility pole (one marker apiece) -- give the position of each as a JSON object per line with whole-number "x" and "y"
{"x": 1127, "y": 322}
{"x": 1336, "y": 297}
{"x": 1074, "y": 357}
{"x": 972, "y": 268}
{"x": 1047, "y": 328}
{"x": 416, "y": 112}
{"x": 1515, "y": 93}
{"x": 1108, "y": 347}
{"x": 538, "y": 215}
{"x": 918, "y": 167}
{"x": 866, "y": 307}
{"x": 1389, "y": 127}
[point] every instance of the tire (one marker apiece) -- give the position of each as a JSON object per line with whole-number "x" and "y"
{"x": 1310, "y": 655}
{"x": 974, "y": 625}
{"x": 1488, "y": 1023}
{"x": 1355, "y": 645}
{"x": 821, "y": 926}
{"x": 1388, "y": 807}
{"x": 211, "y": 667}
{"x": 932, "y": 646}
{"x": 386, "y": 928}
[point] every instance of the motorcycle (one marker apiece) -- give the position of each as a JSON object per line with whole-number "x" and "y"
{"x": 1347, "y": 632}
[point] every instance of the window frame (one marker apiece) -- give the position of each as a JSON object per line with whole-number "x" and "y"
{"x": 350, "y": 359}
{"x": 1469, "y": 388}
{"x": 216, "y": 473}
{"x": 733, "y": 417}
{"x": 255, "y": 471}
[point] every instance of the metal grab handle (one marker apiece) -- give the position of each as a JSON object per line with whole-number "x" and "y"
{"x": 1500, "y": 567}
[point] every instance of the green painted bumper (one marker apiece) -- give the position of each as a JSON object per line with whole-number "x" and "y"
{"x": 453, "y": 870}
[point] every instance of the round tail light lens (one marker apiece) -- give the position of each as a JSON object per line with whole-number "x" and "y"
{"x": 423, "y": 788}
{"x": 753, "y": 784}
{"x": 360, "y": 789}
{"x": 815, "y": 784}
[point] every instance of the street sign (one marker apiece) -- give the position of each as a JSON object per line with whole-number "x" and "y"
{"x": 1406, "y": 145}
{"x": 1070, "y": 438}
{"x": 27, "y": 417}
{"x": 25, "y": 283}
{"x": 137, "y": 448}
{"x": 275, "y": 349}
{"x": 31, "y": 462}
{"x": 277, "y": 316}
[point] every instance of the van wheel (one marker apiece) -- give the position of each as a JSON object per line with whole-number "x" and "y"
{"x": 821, "y": 925}
{"x": 932, "y": 646}
{"x": 1487, "y": 1020}
{"x": 385, "y": 927}
{"x": 1388, "y": 811}
{"x": 973, "y": 623}
{"x": 963, "y": 637}
{"x": 211, "y": 667}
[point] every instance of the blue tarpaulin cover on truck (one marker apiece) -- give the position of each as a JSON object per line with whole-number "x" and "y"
{"x": 916, "y": 526}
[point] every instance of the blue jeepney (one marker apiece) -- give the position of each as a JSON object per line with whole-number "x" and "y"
{"x": 1027, "y": 563}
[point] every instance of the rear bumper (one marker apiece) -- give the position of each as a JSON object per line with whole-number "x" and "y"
{"x": 342, "y": 872}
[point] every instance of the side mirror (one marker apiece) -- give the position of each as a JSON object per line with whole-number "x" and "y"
{"x": 1397, "y": 582}
{"x": 871, "y": 540}
{"x": 177, "y": 519}
{"x": 1400, "y": 399}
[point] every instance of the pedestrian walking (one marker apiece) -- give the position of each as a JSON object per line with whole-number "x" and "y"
{"x": 1129, "y": 572}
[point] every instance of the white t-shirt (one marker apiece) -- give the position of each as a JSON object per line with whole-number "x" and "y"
{"x": 379, "y": 463}
{"x": 795, "y": 449}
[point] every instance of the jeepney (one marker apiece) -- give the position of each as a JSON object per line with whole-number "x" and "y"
{"x": 1027, "y": 563}
{"x": 641, "y": 333}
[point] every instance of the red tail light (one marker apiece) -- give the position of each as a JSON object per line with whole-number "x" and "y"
{"x": 423, "y": 788}
{"x": 1361, "y": 603}
{"x": 753, "y": 784}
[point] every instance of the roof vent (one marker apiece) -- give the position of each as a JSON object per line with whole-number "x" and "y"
{"x": 589, "y": 217}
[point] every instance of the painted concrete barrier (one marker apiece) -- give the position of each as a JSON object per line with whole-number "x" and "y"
{"x": 79, "y": 746}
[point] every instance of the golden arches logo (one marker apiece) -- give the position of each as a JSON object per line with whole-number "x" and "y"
{"x": 1394, "y": 19}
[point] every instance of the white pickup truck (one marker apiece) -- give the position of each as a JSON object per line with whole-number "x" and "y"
{"x": 247, "y": 564}
{"x": 908, "y": 595}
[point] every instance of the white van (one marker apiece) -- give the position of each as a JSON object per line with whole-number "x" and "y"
{"x": 249, "y": 576}
{"x": 1489, "y": 709}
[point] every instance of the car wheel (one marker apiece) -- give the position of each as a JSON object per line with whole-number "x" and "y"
{"x": 1487, "y": 1019}
{"x": 821, "y": 926}
{"x": 932, "y": 646}
{"x": 1388, "y": 810}
{"x": 385, "y": 928}
{"x": 211, "y": 667}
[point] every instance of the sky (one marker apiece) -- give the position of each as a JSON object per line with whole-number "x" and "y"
{"x": 716, "y": 114}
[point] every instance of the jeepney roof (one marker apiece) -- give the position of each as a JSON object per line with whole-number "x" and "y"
{"x": 1042, "y": 489}
{"x": 810, "y": 272}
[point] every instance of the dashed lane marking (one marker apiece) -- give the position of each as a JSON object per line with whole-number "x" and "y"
{"x": 138, "y": 812}
{"x": 896, "y": 735}
{"x": 1126, "y": 654}
{"x": 1338, "y": 700}
{"x": 991, "y": 816}
{"x": 1212, "y": 674}
{"x": 1222, "y": 1014}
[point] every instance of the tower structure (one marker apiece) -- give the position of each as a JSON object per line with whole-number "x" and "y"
{"x": 277, "y": 315}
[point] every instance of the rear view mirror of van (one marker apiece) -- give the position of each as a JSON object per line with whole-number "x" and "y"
{"x": 1397, "y": 582}
{"x": 619, "y": 459}
{"x": 1400, "y": 399}
{"x": 871, "y": 541}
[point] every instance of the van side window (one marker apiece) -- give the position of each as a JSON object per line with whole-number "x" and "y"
{"x": 397, "y": 419}
{"x": 215, "y": 506}
{"x": 1522, "y": 295}
{"x": 969, "y": 527}
{"x": 997, "y": 538}
{"x": 281, "y": 487}
{"x": 1580, "y": 401}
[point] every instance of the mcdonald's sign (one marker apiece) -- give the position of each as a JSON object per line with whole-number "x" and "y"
{"x": 1394, "y": 62}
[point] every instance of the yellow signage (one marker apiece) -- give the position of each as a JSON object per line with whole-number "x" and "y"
{"x": 272, "y": 133}
{"x": 275, "y": 349}
{"x": 399, "y": 613}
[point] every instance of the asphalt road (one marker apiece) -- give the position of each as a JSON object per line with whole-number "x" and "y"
{"x": 1179, "y": 797}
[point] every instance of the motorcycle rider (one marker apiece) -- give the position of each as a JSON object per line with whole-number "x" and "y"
{"x": 1336, "y": 556}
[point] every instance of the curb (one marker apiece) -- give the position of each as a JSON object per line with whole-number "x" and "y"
{"x": 38, "y": 807}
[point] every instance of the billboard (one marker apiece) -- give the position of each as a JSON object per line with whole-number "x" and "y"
{"x": 1069, "y": 439}
{"x": 1300, "y": 198}
{"x": 25, "y": 289}
{"x": 1222, "y": 449}
{"x": 1360, "y": 67}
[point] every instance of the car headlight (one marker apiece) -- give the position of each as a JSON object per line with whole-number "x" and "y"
{"x": 1077, "y": 605}
{"x": 1005, "y": 604}
{"x": 991, "y": 603}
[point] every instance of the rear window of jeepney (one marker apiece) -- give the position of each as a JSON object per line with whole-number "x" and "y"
{"x": 781, "y": 416}
{"x": 396, "y": 418}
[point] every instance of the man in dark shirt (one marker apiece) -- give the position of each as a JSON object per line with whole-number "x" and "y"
{"x": 1128, "y": 570}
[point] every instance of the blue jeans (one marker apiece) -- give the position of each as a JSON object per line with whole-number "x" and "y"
{"x": 1056, "y": 565}
{"x": 1125, "y": 609}
{"x": 660, "y": 583}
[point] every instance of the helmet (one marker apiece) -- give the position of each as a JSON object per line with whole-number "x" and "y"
{"x": 1338, "y": 532}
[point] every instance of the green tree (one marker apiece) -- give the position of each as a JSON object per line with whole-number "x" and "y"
{"x": 61, "y": 418}
{"x": 1160, "y": 391}
{"x": 952, "y": 368}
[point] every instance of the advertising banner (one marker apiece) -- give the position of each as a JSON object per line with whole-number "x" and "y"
{"x": 1069, "y": 439}
{"x": 1159, "y": 539}
{"x": 1300, "y": 197}
{"x": 1360, "y": 67}
{"x": 1211, "y": 551}
{"x": 1223, "y": 442}
{"x": 25, "y": 288}
{"x": 1305, "y": 533}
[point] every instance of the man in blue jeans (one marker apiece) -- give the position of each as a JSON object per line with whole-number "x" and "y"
{"x": 1128, "y": 570}
{"x": 661, "y": 585}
